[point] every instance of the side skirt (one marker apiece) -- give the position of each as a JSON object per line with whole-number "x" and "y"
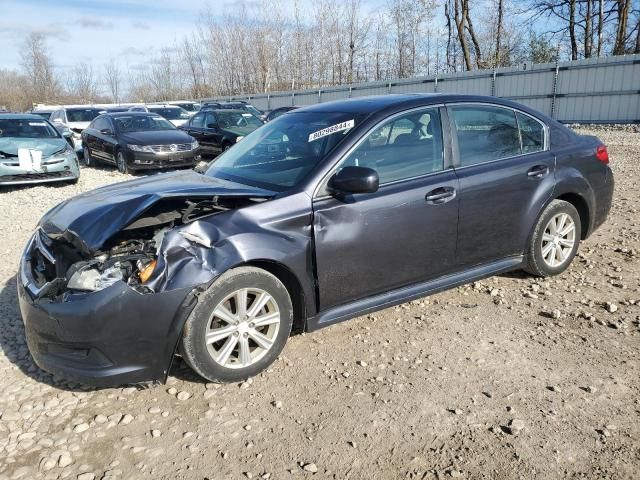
{"x": 405, "y": 294}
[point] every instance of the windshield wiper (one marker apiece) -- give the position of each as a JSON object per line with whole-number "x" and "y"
{"x": 5, "y": 154}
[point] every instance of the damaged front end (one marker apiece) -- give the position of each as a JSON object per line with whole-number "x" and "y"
{"x": 61, "y": 263}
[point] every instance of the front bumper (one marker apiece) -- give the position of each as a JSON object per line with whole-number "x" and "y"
{"x": 144, "y": 160}
{"x": 64, "y": 170}
{"x": 107, "y": 338}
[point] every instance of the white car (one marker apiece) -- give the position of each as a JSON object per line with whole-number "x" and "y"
{"x": 190, "y": 107}
{"x": 176, "y": 115}
{"x": 76, "y": 119}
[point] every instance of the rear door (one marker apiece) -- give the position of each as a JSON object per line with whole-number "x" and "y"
{"x": 212, "y": 133}
{"x": 402, "y": 234}
{"x": 506, "y": 175}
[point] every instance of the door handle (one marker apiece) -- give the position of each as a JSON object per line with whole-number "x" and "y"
{"x": 440, "y": 195}
{"x": 539, "y": 171}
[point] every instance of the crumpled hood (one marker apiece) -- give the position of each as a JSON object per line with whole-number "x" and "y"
{"x": 48, "y": 146}
{"x": 95, "y": 216}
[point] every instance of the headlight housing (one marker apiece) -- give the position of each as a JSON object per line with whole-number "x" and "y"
{"x": 194, "y": 145}
{"x": 140, "y": 148}
{"x": 239, "y": 138}
{"x": 87, "y": 277}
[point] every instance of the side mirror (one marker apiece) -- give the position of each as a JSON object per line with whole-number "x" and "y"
{"x": 355, "y": 180}
{"x": 107, "y": 131}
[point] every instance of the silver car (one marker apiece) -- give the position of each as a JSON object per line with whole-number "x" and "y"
{"x": 33, "y": 151}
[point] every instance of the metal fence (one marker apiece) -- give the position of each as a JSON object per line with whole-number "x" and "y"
{"x": 596, "y": 90}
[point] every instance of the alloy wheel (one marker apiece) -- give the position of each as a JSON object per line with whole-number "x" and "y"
{"x": 558, "y": 240}
{"x": 242, "y": 328}
{"x": 87, "y": 156}
{"x": 121, "y": 163}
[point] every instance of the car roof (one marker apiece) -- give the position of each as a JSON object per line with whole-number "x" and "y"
{"x": 20, "y": 116}
{"x": 228, "y": 110}
{"x": 379, "y": 103}
{"x": 128, "y": 113}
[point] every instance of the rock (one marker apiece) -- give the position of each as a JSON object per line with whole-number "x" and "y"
{"x": 277, "y": 404}
{"x": 555, "y": 314}
{"x": 100, "y": 418}
{"x": 554, "y": 388}
{"x": 590, "y": 389}
{"x": 65, "y": 460}
{"x": 154, "y": 410}
{"x": 172, "y": 391}
{"x": 346, "y": 374}
{"x": 81, "y": 427}
{"x": 86, "y": 476}
{"x": 155, "y": 433}
{"x": 362, "y": 363}
{"x": 127, "y": 419}
{"x": 183, "y": 396}
{"x": 47, "y": 463}
{"x": 515, "y": 426}
{"x": 310, "y": 467}
{"x": 611, "y": 307}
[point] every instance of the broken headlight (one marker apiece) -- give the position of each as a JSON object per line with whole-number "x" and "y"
{"x": 87, "y": 277}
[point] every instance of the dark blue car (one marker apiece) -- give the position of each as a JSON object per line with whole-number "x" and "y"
{"x": 328, "y": 212}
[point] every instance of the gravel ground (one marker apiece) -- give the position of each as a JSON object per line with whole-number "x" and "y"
{"x": 508, "y": 377}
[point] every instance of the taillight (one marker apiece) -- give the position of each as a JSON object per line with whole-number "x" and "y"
{"x": 602, "y": 154}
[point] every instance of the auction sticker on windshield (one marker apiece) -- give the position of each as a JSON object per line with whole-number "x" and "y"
{"x": 338, "y": 127}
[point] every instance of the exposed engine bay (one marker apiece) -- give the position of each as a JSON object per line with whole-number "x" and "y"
{"x": 131, "y": 255}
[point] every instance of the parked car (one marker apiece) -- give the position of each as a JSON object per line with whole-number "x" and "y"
{"x": 276, "y": 112}
{"x": 190, "y": 107}
{"x": 33, "y": 151}
{"x": 75, "y": 118}
{"x": 236, "y": 105}
{"x": 218, "y": 130}
{"x": 138, "y": 108}
{"x": 176, "y": 115}
{"x": 363, "y": 204}
{"x": 44, "y": 113}
{"x": 136, "y": 141}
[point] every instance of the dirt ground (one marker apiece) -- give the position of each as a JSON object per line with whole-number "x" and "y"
{"x": 510, "y": 377}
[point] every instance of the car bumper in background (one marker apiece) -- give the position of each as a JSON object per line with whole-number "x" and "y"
{"x": 63, "y": 171}
{"x": 143, "y": 160}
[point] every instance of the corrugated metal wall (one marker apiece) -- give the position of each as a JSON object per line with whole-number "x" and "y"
{"x": 598, "y": 90}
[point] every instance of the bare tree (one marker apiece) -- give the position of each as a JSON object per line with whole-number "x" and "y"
{"x": 82, "y": 84}
{"x": 500, "y": 6}
{"x": 622, "y": 7}
{"x": 41, "y": 84}
{"x": 112, "y": 78}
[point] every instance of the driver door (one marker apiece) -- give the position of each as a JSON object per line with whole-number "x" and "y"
{"x": 404, "y": 233}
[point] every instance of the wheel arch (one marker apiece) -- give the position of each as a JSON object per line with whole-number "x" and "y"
{"x": 293, "y": 286}
{"x": 582, "y": 207}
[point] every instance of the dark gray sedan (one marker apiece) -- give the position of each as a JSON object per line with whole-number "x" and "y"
{"x": 326, "y": 213}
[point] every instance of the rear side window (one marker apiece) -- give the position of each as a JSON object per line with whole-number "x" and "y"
{"x": 405, "y": 147}
{"x": 485, "y": 133}
{"x": 531, "y": 132}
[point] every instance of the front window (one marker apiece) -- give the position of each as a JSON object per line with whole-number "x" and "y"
{"x": 406, "y": 146}
{"x": 82, "y": 114}
{"x": 175, "y": 113}
{"x": 280, "y": 154}
{"x": 141, "y": 123}
{"x": 237, "y": 119}
{"x": 26, "y": 128}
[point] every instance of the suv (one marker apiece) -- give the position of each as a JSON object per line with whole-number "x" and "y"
{"x": 329, "y": 212}
{"x": 76, "y": 119}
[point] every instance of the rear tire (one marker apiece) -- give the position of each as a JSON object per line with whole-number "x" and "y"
{"x": 555, "y": 240}
{"x": 239, "y": 326}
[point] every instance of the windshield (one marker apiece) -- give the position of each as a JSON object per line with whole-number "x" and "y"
{"x": 26, "y": 128}
{"x": 82, "y": 115}
{"x": 237, "y": 119}
{"x": 280, "y": 154}
{"x": 141, "y": 123}
{"x": 253, "y": 110}
{"x": 42, "y": 114}
{"x": 190, "y": 107}
{"x": 175, "y": 113}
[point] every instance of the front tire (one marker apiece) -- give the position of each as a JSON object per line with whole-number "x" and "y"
{"x": 86, "y": 156}
{"x": 239, "y": 326}
{"x": 121, "y": 162}
{"x": 555, "y": 240}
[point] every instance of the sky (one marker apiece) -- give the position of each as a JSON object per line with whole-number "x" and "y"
{"x": 94, "y": 31}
